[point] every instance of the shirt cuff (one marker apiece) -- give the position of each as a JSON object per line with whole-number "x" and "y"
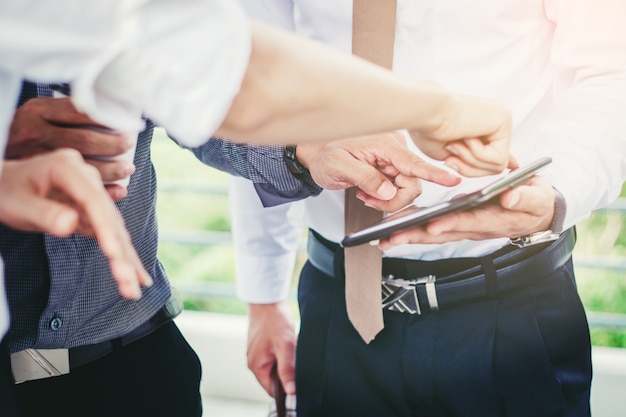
{"x": 153, "y": 74}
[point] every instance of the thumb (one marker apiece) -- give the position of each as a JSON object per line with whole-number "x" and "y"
{"x": 535, "y": 197}
{"x": 510, "y": 199}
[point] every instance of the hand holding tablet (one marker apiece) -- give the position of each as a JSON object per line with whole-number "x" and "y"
{"x": 415, "y": 216}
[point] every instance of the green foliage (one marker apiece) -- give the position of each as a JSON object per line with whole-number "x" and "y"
{"x": 611, "y": 338}
{"x": 198, "y": 263}
{"x": 193, "y": 211}
{"x": 603, "y": 236}
{"x": 602, "y": 290}
{"x": 226, "y": 305}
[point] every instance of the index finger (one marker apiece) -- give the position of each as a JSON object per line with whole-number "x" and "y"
{"x": 474, "y": 158}
{"x": 82, "y": 184}
{"x": 408, "y": 189}
{"x": 410, "y": 164}
{"x": 368, "y": 179}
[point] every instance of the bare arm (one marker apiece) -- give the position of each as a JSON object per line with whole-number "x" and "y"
{"x": 304, "y": 83}
{"x": 297, "y": 88}
{"x": 292, "y": 87}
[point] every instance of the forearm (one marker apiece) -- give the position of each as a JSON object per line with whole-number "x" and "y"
{"x": 302, "y": 83}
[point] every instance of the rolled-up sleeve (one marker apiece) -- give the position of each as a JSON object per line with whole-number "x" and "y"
{"x": 263, "y": 165}
{"x": 180, "y": 62}
{"x": 586, "y": 131}
{"x": 183, "y": 69}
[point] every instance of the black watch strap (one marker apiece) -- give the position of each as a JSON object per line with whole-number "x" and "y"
{"x": 292, "y": 162}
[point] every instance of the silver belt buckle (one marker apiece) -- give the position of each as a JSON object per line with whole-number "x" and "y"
{"x": 401, "y": 295}
{"x": 32, "y": 364}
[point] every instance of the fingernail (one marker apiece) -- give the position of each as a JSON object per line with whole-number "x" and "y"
{"x": 513, "y": 199}
{"x": 129, "y": 169}
{"x": 374, "y": 242}
{"x": 134, "y": 291}
{"x": 363, "y": 197}
{"x": 386, "y": 191}
{"x": 452, "y": 149}
{"x": 120, "y": 193}
{"x": 451, "y": 165}
{"x": 65, "y": 222}
{"x": 290, "y": 388}
{"x": 435, "y": 231}
{"x": 148, "y": 281}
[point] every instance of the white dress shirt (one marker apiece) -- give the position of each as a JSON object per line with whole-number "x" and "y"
{"x": 127, "y": 57}
{"x": 559, "y": 65}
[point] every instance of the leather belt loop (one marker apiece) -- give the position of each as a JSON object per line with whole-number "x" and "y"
{"x": 431, "y": 293}
{"x": 491, "y": 277}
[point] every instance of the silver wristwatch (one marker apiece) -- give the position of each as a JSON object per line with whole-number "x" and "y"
{"x": 534, "y": 238}
{"x": 556, "y": 228}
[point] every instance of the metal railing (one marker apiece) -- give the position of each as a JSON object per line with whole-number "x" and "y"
{"x": 227, "y": 290}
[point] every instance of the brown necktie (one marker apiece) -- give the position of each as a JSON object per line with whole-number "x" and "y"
{"x": 373, "y": 34}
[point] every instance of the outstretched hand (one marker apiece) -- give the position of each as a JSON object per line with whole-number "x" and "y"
{"x": 58, "y": 193}
{"x": 385, "y": 170}
{"x": 473, "y": 137}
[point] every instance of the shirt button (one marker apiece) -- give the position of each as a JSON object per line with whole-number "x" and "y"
{"x": 56, "y": 323}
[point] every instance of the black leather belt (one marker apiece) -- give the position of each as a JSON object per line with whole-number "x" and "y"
{"x": 82, "y": 355}
{"x": 31, "y": 364}
{"x": 449, "y": 282}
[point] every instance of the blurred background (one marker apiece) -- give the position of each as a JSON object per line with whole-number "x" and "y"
{"x": 195, "y": 248}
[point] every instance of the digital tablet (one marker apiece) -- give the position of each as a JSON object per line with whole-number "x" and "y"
{"x": 415, "y": 216}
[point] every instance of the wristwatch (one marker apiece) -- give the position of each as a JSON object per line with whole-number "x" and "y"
{"x": 534, "y": 238}
{"x": 556, "y": 227}
{"x": 292, "y": 162}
